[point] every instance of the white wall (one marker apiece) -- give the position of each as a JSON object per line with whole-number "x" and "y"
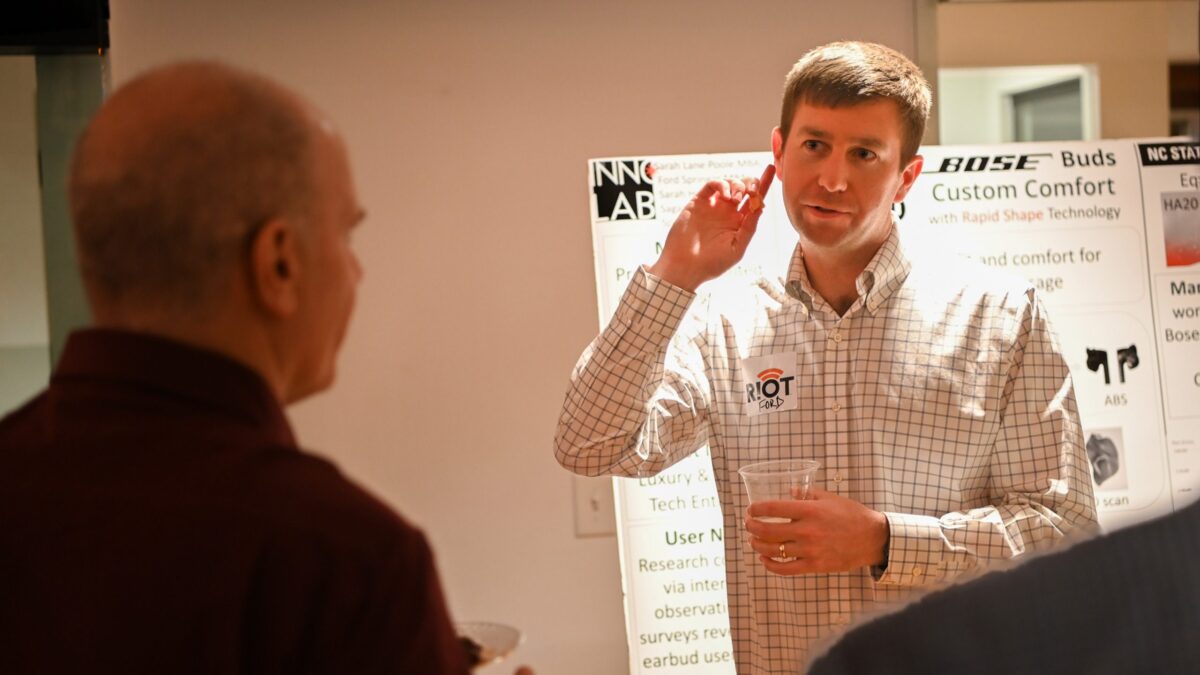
{"x": 976, "y": 110}
{"x": 1183, "y": 31}
{"x": 24, "y": 327}
{"x": 1127, "y": 41}
{"x": 968, "y": 90}
{"x": 469, "y": 124}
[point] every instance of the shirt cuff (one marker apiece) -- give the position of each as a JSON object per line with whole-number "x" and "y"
{"x": 650, "y": 304}
{"x": 915, "y": 547}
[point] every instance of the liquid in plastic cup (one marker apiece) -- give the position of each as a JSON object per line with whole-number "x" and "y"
{"x": 778, "y": 479}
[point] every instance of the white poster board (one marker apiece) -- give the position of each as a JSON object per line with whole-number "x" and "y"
{"x": 1108, "y": 230}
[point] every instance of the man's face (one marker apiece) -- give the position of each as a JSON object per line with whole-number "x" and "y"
{"x": 331, "y": 271}
{"x": 840, "y": 170}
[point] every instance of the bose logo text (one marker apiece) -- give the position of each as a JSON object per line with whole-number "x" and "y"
{"x": 990, "y": 163}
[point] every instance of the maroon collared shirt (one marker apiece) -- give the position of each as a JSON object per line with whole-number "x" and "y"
{"x": 156, "y": 516}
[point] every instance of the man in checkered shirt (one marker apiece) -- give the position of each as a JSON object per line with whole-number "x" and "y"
{"x": 932, "y": 390}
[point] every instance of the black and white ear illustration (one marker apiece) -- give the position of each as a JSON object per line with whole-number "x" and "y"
{"x": 1096, "y": 359}
{"x": 1126, "y": 357}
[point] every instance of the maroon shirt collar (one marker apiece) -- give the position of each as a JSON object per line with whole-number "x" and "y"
{"x": 168, "y": 368}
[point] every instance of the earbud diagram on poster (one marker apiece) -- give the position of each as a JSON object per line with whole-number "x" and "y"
{"x": 1108, "y": 232}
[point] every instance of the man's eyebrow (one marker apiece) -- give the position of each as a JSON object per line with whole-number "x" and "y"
{"x": 864, "y": 141}
{"x": 869, "y": 142}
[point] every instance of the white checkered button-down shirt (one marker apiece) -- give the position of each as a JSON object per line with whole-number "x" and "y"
{"x": 940, "y": 398}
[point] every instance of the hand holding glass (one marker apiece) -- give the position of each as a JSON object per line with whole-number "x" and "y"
{"x": 778, "y": 480}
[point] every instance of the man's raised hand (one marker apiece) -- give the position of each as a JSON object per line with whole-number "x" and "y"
{"x": 712, "y": 232}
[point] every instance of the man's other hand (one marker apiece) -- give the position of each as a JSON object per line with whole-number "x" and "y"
{"x": 827, "y": 533}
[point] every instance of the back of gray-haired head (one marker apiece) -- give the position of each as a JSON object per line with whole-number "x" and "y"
{"x": 173, "y": 175}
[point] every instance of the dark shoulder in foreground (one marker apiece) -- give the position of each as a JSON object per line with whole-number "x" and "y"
{"x": 1123, "y": 603}
{"x": 304, "y": 492}
{"x": 381, "y": 608}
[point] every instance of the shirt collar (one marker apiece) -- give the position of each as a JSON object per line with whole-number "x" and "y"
{"x": 165, "y": 367}
{"x": 885, "y": 273}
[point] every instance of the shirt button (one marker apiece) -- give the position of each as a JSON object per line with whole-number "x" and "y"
{"x": 837, "y": 477}
{"x": 836, "y": 406}
{"x": 916, "y": 571}
{"x": 837, "y": 337}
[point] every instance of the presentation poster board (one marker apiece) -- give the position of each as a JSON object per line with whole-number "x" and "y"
{"x": 1109, "y": 232}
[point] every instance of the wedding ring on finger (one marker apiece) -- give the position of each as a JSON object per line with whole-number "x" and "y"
{"x": 783, "y": 557}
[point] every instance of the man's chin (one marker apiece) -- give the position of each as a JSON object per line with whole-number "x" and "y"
{"x": 821, "y": 234}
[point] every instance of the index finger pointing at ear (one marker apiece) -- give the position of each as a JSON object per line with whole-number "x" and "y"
{"x": 760, "y": 191}
{"x": 764, "y": 183}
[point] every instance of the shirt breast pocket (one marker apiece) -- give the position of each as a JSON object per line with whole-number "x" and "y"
{"x": 936, "y": 420}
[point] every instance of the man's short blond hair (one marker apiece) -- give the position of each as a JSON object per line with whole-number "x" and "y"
{"x": 843, "y": 74}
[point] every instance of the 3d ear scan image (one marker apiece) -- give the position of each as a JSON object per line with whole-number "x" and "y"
{"x": 1105, "y": 459}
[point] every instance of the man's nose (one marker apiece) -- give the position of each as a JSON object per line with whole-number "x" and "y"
{"x": 832, "y": 174}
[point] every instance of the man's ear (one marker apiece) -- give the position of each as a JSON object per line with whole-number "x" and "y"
{"x": 908, "y": 177}
{"x": 275, "y": 267}
{"x": 777, "y": 150}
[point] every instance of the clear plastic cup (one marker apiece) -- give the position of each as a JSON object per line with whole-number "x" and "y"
{"x": 778, "y": 479}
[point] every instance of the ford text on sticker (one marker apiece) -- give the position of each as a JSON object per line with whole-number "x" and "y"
{"x": 769, "y": 383}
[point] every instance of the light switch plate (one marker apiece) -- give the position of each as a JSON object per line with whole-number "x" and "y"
{"x": 595, "y": 515}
